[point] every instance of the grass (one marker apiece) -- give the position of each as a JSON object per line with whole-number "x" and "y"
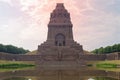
{"x": 9, "y": 62}
{"x": 15, "y": 65}
{"x": 103, "y": 62}
{"x": 110, "y": 61}
{"x": 22, "y": 78}
{"x": 17, "y": 78}
{"x": 105, "y": 65}
{"x": 32, "y": 53}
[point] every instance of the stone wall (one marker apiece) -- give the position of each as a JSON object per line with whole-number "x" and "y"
{"x": 90, "y": 57}
{"x": 15, "y": 57}
{"x": 86, "y": 57}
{"x": 113, "y": 56}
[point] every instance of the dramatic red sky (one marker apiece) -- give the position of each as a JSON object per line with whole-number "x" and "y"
{"x": 24, "y": 22}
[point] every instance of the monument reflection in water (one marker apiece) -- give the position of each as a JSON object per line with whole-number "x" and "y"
{"x": 60, "y": 74}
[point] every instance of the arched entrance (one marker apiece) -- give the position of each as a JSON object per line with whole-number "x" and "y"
{"x": 60, "y": 40}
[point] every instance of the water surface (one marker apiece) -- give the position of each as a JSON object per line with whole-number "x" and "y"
{"x": 60, "y": 74}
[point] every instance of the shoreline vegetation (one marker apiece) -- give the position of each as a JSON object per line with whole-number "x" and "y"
{"x": 15, "y": 65}
{"x": 113, "y": 65}
{"x": 106, "y": 65}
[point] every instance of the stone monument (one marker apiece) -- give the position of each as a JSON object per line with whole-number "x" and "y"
{"x": 60, "y": 49}
{"x": 60, "y": 45}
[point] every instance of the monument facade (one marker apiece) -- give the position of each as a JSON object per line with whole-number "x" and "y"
{"x": 60, "y": 45}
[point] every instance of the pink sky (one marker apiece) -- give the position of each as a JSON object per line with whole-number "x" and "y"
{"x": 24, "y": 22}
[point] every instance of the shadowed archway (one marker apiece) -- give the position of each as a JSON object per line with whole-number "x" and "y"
{"x": 59, "y": 40}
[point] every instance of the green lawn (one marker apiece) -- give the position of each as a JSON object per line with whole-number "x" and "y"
{"x": 102, "y": 62}
{"x": 105, "y": 65}
{"x": 8, "y": 62}
{"x": 15, "y": 65}
{"x": 32, "y": 53}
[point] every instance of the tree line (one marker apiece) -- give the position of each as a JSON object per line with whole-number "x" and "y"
{"x": 12, "y": 49}
{"x": 107, "y": 50}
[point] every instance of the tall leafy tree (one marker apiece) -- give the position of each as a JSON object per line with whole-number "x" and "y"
{"x": 12, "y": 49}
{"x": 100, "y": 50}
{"x": 2, "y": 48}
{"x": 108, "y": 49}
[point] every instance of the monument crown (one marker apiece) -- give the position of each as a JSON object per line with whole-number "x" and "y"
{"x": 60, "y": 6}
{"x": 60, "y": 15}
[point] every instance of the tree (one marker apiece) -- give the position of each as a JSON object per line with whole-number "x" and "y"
{"x": 95, "y": 51}
{"x": 114, "y": 48}
{"x": 108, "y": 49}
{"x": 12, "y": 49}
{"x": 118, "y": 47}
{"x": 2, "y": 48}
{"x": 100, "y": 50}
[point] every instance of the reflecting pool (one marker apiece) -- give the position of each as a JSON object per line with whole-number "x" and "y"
{"x": 60, "y": 74}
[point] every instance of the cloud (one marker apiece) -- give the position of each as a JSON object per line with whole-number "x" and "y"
{"x": 96, "y": 22}
{"x": 91, "y": 19}
{"x": 99, "y": 26}
{"x": 39, "y": 10}
{"x": 6, "y": 1}
{"x": 8, "y": 12}
{"x": 111, "y": 6}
